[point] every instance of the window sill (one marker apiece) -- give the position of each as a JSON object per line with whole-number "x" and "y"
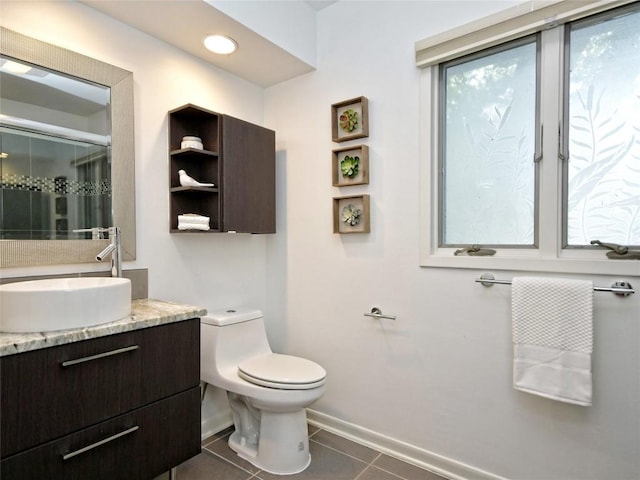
{"x": 567, "y": 262}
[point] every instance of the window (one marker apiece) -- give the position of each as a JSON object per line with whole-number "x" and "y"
{"x": 531, "y": 144}
{"x": 602, "y": 178}
{"x": 487, "y": 142}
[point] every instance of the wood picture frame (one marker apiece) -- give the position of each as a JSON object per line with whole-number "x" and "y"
{"x": 350, "y": 119}
{"x": 361, "y": 175}
{"x": 358, "y": 205}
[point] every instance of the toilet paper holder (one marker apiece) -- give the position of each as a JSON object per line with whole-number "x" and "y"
{"x": 377, "y": 313}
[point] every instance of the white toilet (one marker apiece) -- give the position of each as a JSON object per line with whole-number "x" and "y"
{"x": 267, "y": 392}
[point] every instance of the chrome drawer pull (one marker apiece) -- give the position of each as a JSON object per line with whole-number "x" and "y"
{"x": 68, "y": 363}
{"x": 67, "y": 456}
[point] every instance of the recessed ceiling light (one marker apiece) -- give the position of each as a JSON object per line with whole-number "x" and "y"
{"x": 220, "y": 44}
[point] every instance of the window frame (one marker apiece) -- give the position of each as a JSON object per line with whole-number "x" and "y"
{"x": 442, "y": 95}
{"x": 550, "y": 254}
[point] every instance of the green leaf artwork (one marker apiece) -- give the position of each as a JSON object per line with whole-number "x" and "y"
{"x": 351, "y": 215}
{"x": 350, "y": 166}
{"x": 349, "y": 120}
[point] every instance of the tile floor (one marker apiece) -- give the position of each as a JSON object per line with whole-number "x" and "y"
{"x": 332, "y": 458}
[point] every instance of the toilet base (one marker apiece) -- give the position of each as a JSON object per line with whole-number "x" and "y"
{"x": 283, "y": 444}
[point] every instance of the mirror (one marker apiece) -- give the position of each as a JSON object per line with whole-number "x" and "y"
{"x": 55, "y": 153}
{"x": 98, "y": 153}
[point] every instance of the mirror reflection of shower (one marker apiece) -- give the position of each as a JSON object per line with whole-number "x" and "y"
{"x": 55, "y": 153}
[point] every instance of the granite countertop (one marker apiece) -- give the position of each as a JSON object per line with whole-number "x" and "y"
{"x": 144, "y": 313}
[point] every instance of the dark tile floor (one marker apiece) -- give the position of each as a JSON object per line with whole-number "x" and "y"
{"x": 332, "y": 458}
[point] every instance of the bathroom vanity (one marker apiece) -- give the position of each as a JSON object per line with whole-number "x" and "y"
{"x": 115, "y": 401}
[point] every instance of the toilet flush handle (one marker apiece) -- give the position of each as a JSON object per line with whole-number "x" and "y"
{"x": 377, "y": 313}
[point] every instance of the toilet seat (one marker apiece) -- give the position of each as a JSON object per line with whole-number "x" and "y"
{"x": 284, "y": 372}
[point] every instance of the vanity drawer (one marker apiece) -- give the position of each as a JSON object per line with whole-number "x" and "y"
{"x": 139, "y": 445}
{"x": 52, "y": 392}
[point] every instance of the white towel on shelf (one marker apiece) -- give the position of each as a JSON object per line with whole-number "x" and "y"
{"x": 193, "y": 218}
{"x": 553, "y": 338}
{"x": 192, "y": 226}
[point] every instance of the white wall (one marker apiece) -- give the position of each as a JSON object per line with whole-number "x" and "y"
{"x": 209, "y": 270}
{"x": 439, "y": 377}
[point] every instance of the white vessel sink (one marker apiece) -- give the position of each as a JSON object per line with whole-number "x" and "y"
{"x": 63, "y": 303}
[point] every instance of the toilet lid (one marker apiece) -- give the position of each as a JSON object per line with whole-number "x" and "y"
{"x": 282, "y": 371}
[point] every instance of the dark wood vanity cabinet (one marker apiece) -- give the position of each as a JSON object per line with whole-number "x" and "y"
{"x": 238, "y": 157}
{"x": 125, "y": 406}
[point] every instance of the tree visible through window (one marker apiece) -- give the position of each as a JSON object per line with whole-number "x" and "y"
{"x": 488, "y": 122}
{"x": 488, "y": 144}
{"x": 532, "y": 144}
{"x": 603, "y": 173}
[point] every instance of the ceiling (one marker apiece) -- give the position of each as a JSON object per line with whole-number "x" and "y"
{"x": 320, "y": 4}
{"x": 185, "y": 24}
{"x": 55, "y": 92}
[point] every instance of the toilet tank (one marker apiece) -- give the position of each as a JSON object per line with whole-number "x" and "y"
{"x": 231, "y": 316}
{"x": 230, "y": 336}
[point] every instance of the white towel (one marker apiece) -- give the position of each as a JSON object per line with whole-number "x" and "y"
{"x": 193, "y": 218}
{"x": 192, "y": 226}
{"x": 553, "y": 338}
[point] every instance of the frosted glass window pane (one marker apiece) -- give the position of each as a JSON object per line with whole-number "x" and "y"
{"x": 603, "y": 191}
{"x": 488, "y": 148}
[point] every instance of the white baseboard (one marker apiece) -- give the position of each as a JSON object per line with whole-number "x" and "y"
{"x": 433, "y": 462}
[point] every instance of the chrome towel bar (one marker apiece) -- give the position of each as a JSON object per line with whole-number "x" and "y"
{"x": 622, "y": 289}
{"x": 377, "y": 313}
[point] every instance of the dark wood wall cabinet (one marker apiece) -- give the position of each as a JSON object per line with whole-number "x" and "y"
{"x": 238, "y": 157}
{"x": 125, "y": 406}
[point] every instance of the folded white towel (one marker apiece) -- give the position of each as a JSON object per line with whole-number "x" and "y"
{"x": 192, "y": 226}
{"x": 193, "y": 218}
{"x": 553, "y": 338}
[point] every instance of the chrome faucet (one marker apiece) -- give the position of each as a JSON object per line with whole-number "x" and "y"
{"x": 113, "y": 248}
